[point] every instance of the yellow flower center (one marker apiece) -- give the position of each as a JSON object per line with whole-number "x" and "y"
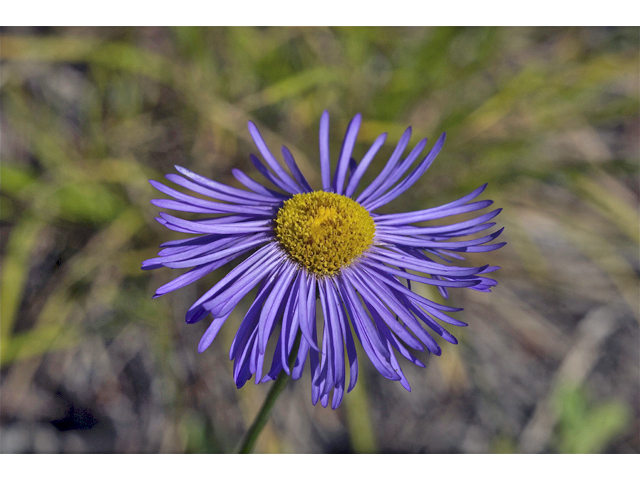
{"x": 324, "y": 231}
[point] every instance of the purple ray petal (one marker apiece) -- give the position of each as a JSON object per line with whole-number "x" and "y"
{"x": 234, "y": 228}
{"x": 215, "y": 186}
{"x": 345, "y": 154}
{"x": 482, "y": 248}
{"x": 241, "y": 246}
{"x": 270, "y": 159}
{"x": 418, "y": 278}
{"x": 262, "y": 256}
{"x": 250, "y": 321}
{"x": 346, "y": 334}
{"x": 290, "y": 322}
{"x": 325, "y": 161}
{"x": 273, "y": 304}
{"x": 390, "y": 297}
{"x": 183, "y": 253}
{"x": 423, "y": 266}
{"x": 298, "y": 367}
{"x": 242, "y": 364}
{"x": 295, "y": 170}
{"x": 438, "y": 230}
{"x": 211, "y": 333}
{"x": 242, "y": 196}
{"x": 433, "y": 325}
{"x": 219, "y": 208}
{"x": 359, "y": 319}
{"x": 276, "y": 364}
{"x": 388, "y": 168}
{"x": 343, "y": 331}
{"x": 409, "y": 180}
{"x": 193, "y": 275}
{"x": 364, "y": 164}
{"x": 442, "y": 211}
{"x": 337, "y": 341}
{"x": 327, "y": 363}
{"x": 278, "y": 182}
{"x": 395, "y": 343}
{"x": 433, "y": 308}
{"x": 307, "y": 316}
{"x": 359, "y": 316}
{"x": 397, "y": 173}
{"x": 226, "y": 300}
{"x": 424, "y": 243}
{"x": 251, "y": 184}
{"x": 371, "y": 295}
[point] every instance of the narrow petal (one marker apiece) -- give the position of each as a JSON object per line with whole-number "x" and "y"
{"x": 227, "y": 194}
{"x": 274, "y": 303}
{"x": 392, "y": 358}
{"x": 418, "y": 278}
{"x": 242, "y": 368}
{"x": 401, "y": 311}
{"x": 442, "y": 211}
{"x": 395, "y": 343}
{"x": 250, "y": 321}
{"x": 194, "y": 274}
{"x": 345, "y": 154}
{"x": 211, "y": 333}
{"x": 325, "y": 161}
{"x": 424, "y": 243}
{"x": 193, "y": 201}
{"x": 216, "y": 186}
{"x": 439, "y": 230}
{"x": 240, "y": 246}
{"x": 307, "y": 317}
{"x": 226, "y": 300}
{"x": 295, "y": 170}
{"x": 359, "y": 316}
{"x": 337, "y": 340}
{"x": 422, "y": 265}
{"x": 234, "y": 228}
{"x": 266, "y": 254}
{"x": 433, "y": 308}
{"x": 378, "y": 356}
{"x": 346, "y": 334}
{"x": 276, "y": 364}
{"x": 214, "y": 209}
{"x": 290, "y": 322}
{"x": 270, "y": 159}
{"x": 364, "y": 164}
{"x": 327, "y": 364}
{"x": 251, "y": 184}
{"x": 371, "y": 295}
{"x": 388, "y": 168}
{"x": 217, "y": 244}
{"x": 397, "y": 173}
{"x": 410, "y": 179}
{"x": 298, "y": 367}
{"x": 278, "y": 182}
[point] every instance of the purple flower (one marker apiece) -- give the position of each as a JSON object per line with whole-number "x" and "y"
{"x": 303, "y": 245}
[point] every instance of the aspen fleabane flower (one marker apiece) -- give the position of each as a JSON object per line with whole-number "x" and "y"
{"x": 327, "y": 245}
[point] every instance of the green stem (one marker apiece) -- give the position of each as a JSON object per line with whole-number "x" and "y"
{"x": 251, "y": 437}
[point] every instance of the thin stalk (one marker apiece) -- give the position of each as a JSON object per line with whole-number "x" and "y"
{"x": 251, "y": 437}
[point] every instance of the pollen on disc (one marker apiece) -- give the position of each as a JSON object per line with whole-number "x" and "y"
{"x": 324, "y": 231}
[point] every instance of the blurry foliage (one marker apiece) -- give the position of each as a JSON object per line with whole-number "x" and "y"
{"x": 549, "y": 117}
{"x": 587, "y": 428}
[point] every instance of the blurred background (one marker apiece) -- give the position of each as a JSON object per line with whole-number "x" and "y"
{"x": 547, "y": 116}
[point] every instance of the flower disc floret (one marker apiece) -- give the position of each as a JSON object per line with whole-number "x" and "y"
{"x": 324, "y": 231}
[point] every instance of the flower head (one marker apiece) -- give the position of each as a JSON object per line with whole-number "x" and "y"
{"x": 301, "y": 246}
